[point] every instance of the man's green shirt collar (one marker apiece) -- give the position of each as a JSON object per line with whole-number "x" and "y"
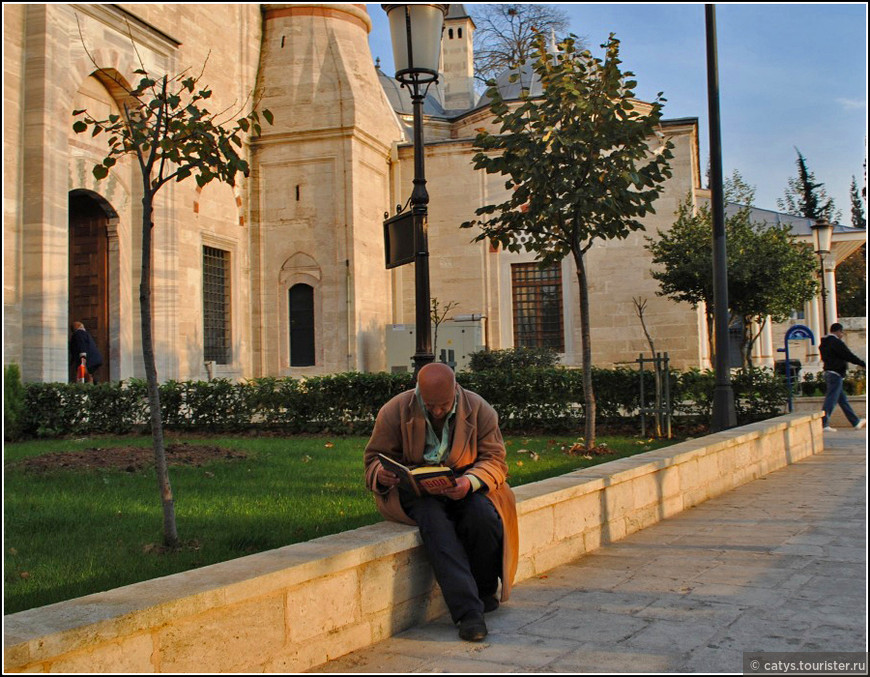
{"x": 437, "y": 448}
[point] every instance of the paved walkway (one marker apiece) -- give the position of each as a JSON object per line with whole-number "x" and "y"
{"x": 777, "y": 565}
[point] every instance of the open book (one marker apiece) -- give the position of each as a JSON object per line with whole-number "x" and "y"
{"x": 422, "y": 479}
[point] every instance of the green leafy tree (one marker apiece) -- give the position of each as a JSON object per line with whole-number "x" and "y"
{"x": 852, "y": 273}
{"x": 579, "y": 167}
{"x": 806, "y": 197}
{"x": 165, "y": 126}
{"x": 852, "y": 285}
{"x": 769, "y": 275}
{"x": 769, "y": 272}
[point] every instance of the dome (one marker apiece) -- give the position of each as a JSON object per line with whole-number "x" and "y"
{"x": 400, "y": 97}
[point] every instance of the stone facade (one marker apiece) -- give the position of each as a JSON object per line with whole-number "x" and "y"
{"x": 305, "y": 228}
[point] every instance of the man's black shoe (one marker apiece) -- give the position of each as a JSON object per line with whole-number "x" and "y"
{"x": 490, "y": 603}
{"x": 472, "y": 629}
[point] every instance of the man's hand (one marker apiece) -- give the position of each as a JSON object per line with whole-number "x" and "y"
{"x": 463, "y": 486}
{"x": 387, "y": 478}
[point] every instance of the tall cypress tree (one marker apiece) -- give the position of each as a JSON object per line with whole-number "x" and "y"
{"x": 807, "y": 197}
{"x": 858, "y": 218}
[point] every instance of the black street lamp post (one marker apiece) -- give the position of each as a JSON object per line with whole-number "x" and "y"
{"x": 823, "y": 233}
{"x": 724, "y": 413}
{"x": 416, "y": 36}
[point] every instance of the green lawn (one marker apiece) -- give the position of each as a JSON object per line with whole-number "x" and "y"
{"x": 71, "y": 533}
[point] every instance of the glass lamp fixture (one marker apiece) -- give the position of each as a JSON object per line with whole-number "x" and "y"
{"x": 415, "y": 31}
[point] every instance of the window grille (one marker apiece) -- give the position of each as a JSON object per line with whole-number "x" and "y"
{"x": 537, "y": 304}
{"x": 216, "y": 305}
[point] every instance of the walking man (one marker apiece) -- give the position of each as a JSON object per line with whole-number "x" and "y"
{"x": 835, "y": 358}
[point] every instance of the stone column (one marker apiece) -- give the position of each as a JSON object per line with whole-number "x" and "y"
{"x": 830, "y": 266}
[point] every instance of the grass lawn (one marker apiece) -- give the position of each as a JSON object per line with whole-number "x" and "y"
{"x": 69, "y": 533}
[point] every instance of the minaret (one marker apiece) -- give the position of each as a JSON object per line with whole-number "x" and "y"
{"x": 457, "y": 59}
{"x": 321, "y": 187}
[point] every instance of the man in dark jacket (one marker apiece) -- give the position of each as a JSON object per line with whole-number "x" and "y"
{"x": 835, "y": 358}
{"x": 82, "y": 342}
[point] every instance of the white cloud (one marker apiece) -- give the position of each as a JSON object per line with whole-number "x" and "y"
{"x": 851, "y": 104}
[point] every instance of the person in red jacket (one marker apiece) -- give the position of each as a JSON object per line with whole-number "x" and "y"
{"x": 836, "y": 357}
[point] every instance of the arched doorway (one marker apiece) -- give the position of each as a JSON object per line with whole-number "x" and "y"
{"x": 89, "y": 270}
{"x": 301, "y": 305}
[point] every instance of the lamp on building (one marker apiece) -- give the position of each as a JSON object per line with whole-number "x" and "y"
{"x": 415, "y": 31}
{"x": 823, "y": 234}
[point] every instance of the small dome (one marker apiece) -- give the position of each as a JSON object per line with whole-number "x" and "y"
{"x": 400, "y": 97}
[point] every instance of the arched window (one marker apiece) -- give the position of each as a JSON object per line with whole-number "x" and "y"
{"x": 301, "y": 306}
{"x": 459, "y": 31}
{"x": 450, "y": 33}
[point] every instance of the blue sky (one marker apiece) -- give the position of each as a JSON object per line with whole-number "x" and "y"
{"x": 790, "y": 75}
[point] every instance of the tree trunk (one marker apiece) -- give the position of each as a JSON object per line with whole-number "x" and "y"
{"x": 588, "y": 392}
{"x": 170, "y": 531}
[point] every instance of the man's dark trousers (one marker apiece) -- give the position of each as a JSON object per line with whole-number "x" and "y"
{"x": 463, "y": 540}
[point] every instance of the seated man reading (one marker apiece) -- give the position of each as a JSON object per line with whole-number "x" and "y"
{"x": 469, "y": 530}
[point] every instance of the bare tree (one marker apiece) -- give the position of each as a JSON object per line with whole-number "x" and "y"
{"x": 640, "y": 309}
{"x": 505, "y": 34}
{"x": 439, "y": 314}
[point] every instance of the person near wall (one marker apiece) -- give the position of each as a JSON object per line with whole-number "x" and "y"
{"x": 836, "y": 357}
{"x": 469, "y": 531}
{"x": 82, "y": 342}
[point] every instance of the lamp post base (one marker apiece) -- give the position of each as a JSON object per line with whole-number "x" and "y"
{"x": 724, "y": 416}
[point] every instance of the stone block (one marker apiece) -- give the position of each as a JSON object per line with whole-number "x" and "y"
{"x": 132, "y": 654}
{"x": 536, "y": 531}
{"x": 646, "y": 490}
{"x": 323, "y": 605}
{"x": 618, "y": 500}
{"x": 573, "y": 517}
{"x": 689, "y": 476}
{"x": 391, "y": 581}
{"x": 402, "y": 616}
{"x": 226, "y": 639}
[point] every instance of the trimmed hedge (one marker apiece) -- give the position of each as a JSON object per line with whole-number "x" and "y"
{"x": 549, "y": 399}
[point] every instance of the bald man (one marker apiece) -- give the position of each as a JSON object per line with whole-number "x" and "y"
{"x": 469, "y": 531}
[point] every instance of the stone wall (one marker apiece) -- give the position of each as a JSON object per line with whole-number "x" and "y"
{"x": 290, "y": 609}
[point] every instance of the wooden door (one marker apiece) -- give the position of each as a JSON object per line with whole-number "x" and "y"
{"x": 89, "y": 272}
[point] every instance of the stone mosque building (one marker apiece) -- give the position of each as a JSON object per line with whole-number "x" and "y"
{"x": 284, "y": 274}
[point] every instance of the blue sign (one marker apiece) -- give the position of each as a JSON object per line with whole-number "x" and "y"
{"x": 798, "y": 332}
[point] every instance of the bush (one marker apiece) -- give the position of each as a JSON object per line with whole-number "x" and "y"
{"x": 513, "y": 358}
{"x": 13, "y": 403}
{"x": 531, "y": 398}
{"x": 855, "y": 383}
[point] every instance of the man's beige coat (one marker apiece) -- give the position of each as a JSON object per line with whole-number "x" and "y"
{"x": 400, "y": 433}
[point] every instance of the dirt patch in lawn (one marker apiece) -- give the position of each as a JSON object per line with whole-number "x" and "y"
{"x": 129, "y": 459}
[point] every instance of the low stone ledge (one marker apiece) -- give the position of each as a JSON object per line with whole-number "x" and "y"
{"x": 809, "y": 404}
{"x": 295, "y": 607}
